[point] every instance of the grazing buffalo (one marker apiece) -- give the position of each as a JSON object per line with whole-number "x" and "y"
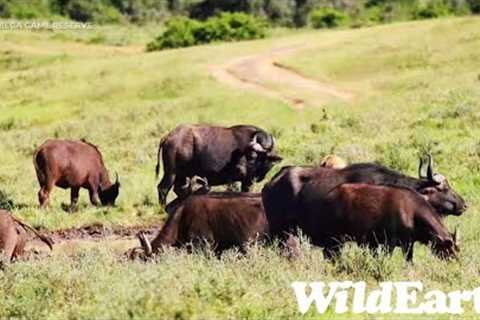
{"x": 221, "y": 155}
{"x": 73, "y": 164}
{"x": 222, "y": 220}
{"x": 372, "y": 215}
{"x": 280, "y": 195}
{"x": 13, "y": 236}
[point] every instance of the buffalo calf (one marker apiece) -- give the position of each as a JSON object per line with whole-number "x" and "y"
{"x": 73, "y": 164}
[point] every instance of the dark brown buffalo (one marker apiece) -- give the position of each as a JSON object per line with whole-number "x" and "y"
{"x": 221, "y": 155}
{"x": 13, "y": 236}
{"x": 73, "y": 164}
{"x": 372, "y": 215}
{"x": 221, "y": 220}
{"x": 280, "y": 195}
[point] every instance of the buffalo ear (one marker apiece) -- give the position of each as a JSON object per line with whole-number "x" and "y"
{"x": 274, "y": 158}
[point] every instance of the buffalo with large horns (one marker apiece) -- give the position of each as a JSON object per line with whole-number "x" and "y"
{"x": 280, "y": 195}
{"x": 73, "y": 164}
{"x": 219, "y": 154}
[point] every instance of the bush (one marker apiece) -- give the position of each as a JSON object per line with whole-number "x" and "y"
{"x": 25, "y": 9}
{"x": 179, "y": 33}
{"x": 474, "y": 6}
{"x": 95, "y": 11}
{"x": 433, "y": 9}
{"x": 327, "y": 18}
{"x": 185, "y": 32}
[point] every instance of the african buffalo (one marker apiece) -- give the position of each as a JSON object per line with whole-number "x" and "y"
{"x": 223, "y": 220}
{"x": 73, "y": 164}
{"x": 13, "y": 236}
{"x": 372, "y": 215}
{"x": 280, "y": 195}
{"x": 221, "y": 155}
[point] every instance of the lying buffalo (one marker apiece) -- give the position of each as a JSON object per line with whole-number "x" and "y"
{"x": 73, "y": 164}
{"x": 372, "y": 215}
{"x": 223, "y": 220}
{"x": 280, "y": 195}
{"x": 221, "y": 155}
{"x": 13, "y": 236}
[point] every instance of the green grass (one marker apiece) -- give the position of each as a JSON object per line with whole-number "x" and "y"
{"x": 416, "y": 88}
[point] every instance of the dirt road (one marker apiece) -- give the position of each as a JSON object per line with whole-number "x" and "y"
{"x": 263, "y": 73}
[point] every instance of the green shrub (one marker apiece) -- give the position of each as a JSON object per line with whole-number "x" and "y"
{"x": 474, "y": 6}
{"x": 96, "y": 11}
{"x": 179, "y": 33}
{"x": 327, "y": 18}
{"x": 25, "y": 9}
{"x": 433, "y": 9}
{"x": 185, "y": 32}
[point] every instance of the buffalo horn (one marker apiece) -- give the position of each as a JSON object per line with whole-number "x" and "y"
{"x": 145, "y": 243}
{"x": 255, "y": 145}
{"x": 420, "y": 167}
{"x": 456, "y": 235}
{"x": 430, "y": 167}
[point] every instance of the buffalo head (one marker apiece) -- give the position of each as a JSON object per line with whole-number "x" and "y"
{"x": 446, "y": 248}
{"x": 264, "y": 164}
{"x": 261, "y": 155}
{"x": 438, "y": 192}
{"x": 109, "y": 195}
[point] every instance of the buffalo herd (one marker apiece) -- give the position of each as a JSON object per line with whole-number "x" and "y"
{"x": 331, "y": 203}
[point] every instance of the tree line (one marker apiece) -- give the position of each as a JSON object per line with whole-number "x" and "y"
{"x": 288, "y": 13}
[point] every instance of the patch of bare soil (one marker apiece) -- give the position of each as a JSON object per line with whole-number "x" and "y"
{"x": 120, "y": 238}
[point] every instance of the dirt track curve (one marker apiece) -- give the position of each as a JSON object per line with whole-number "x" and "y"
{"x": 256, "y": 72}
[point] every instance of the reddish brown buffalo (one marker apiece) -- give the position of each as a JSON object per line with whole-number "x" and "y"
{"x": 73, "y": 164}
{"x": 13, "y": 236}
{"x": 373, "y": 215}
{"x": 222, "y": 220}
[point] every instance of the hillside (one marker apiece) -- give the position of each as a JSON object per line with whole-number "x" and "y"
{"x": 414, "y": 87}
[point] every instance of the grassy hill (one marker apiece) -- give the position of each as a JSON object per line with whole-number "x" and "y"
{"x": 415, "y": 88}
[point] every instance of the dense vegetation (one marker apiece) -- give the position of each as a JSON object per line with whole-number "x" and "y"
{"x": 185, "y": 32}
{"x": 278, "y": 12}
{"x": 415, "y": 86}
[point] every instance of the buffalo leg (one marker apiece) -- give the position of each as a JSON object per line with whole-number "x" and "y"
{"x": 44, "y": 195}
{"x": 331, "y": 252}
{"x": 74, "y": 192}
{"x": 180, "y": 188}
{"x": 164, "y": 186}
{"x": 93, "y": 194}
{"x": 247, "y": 185}
{"x": 9, "y": 246}
{"x": 407, "y": 248}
